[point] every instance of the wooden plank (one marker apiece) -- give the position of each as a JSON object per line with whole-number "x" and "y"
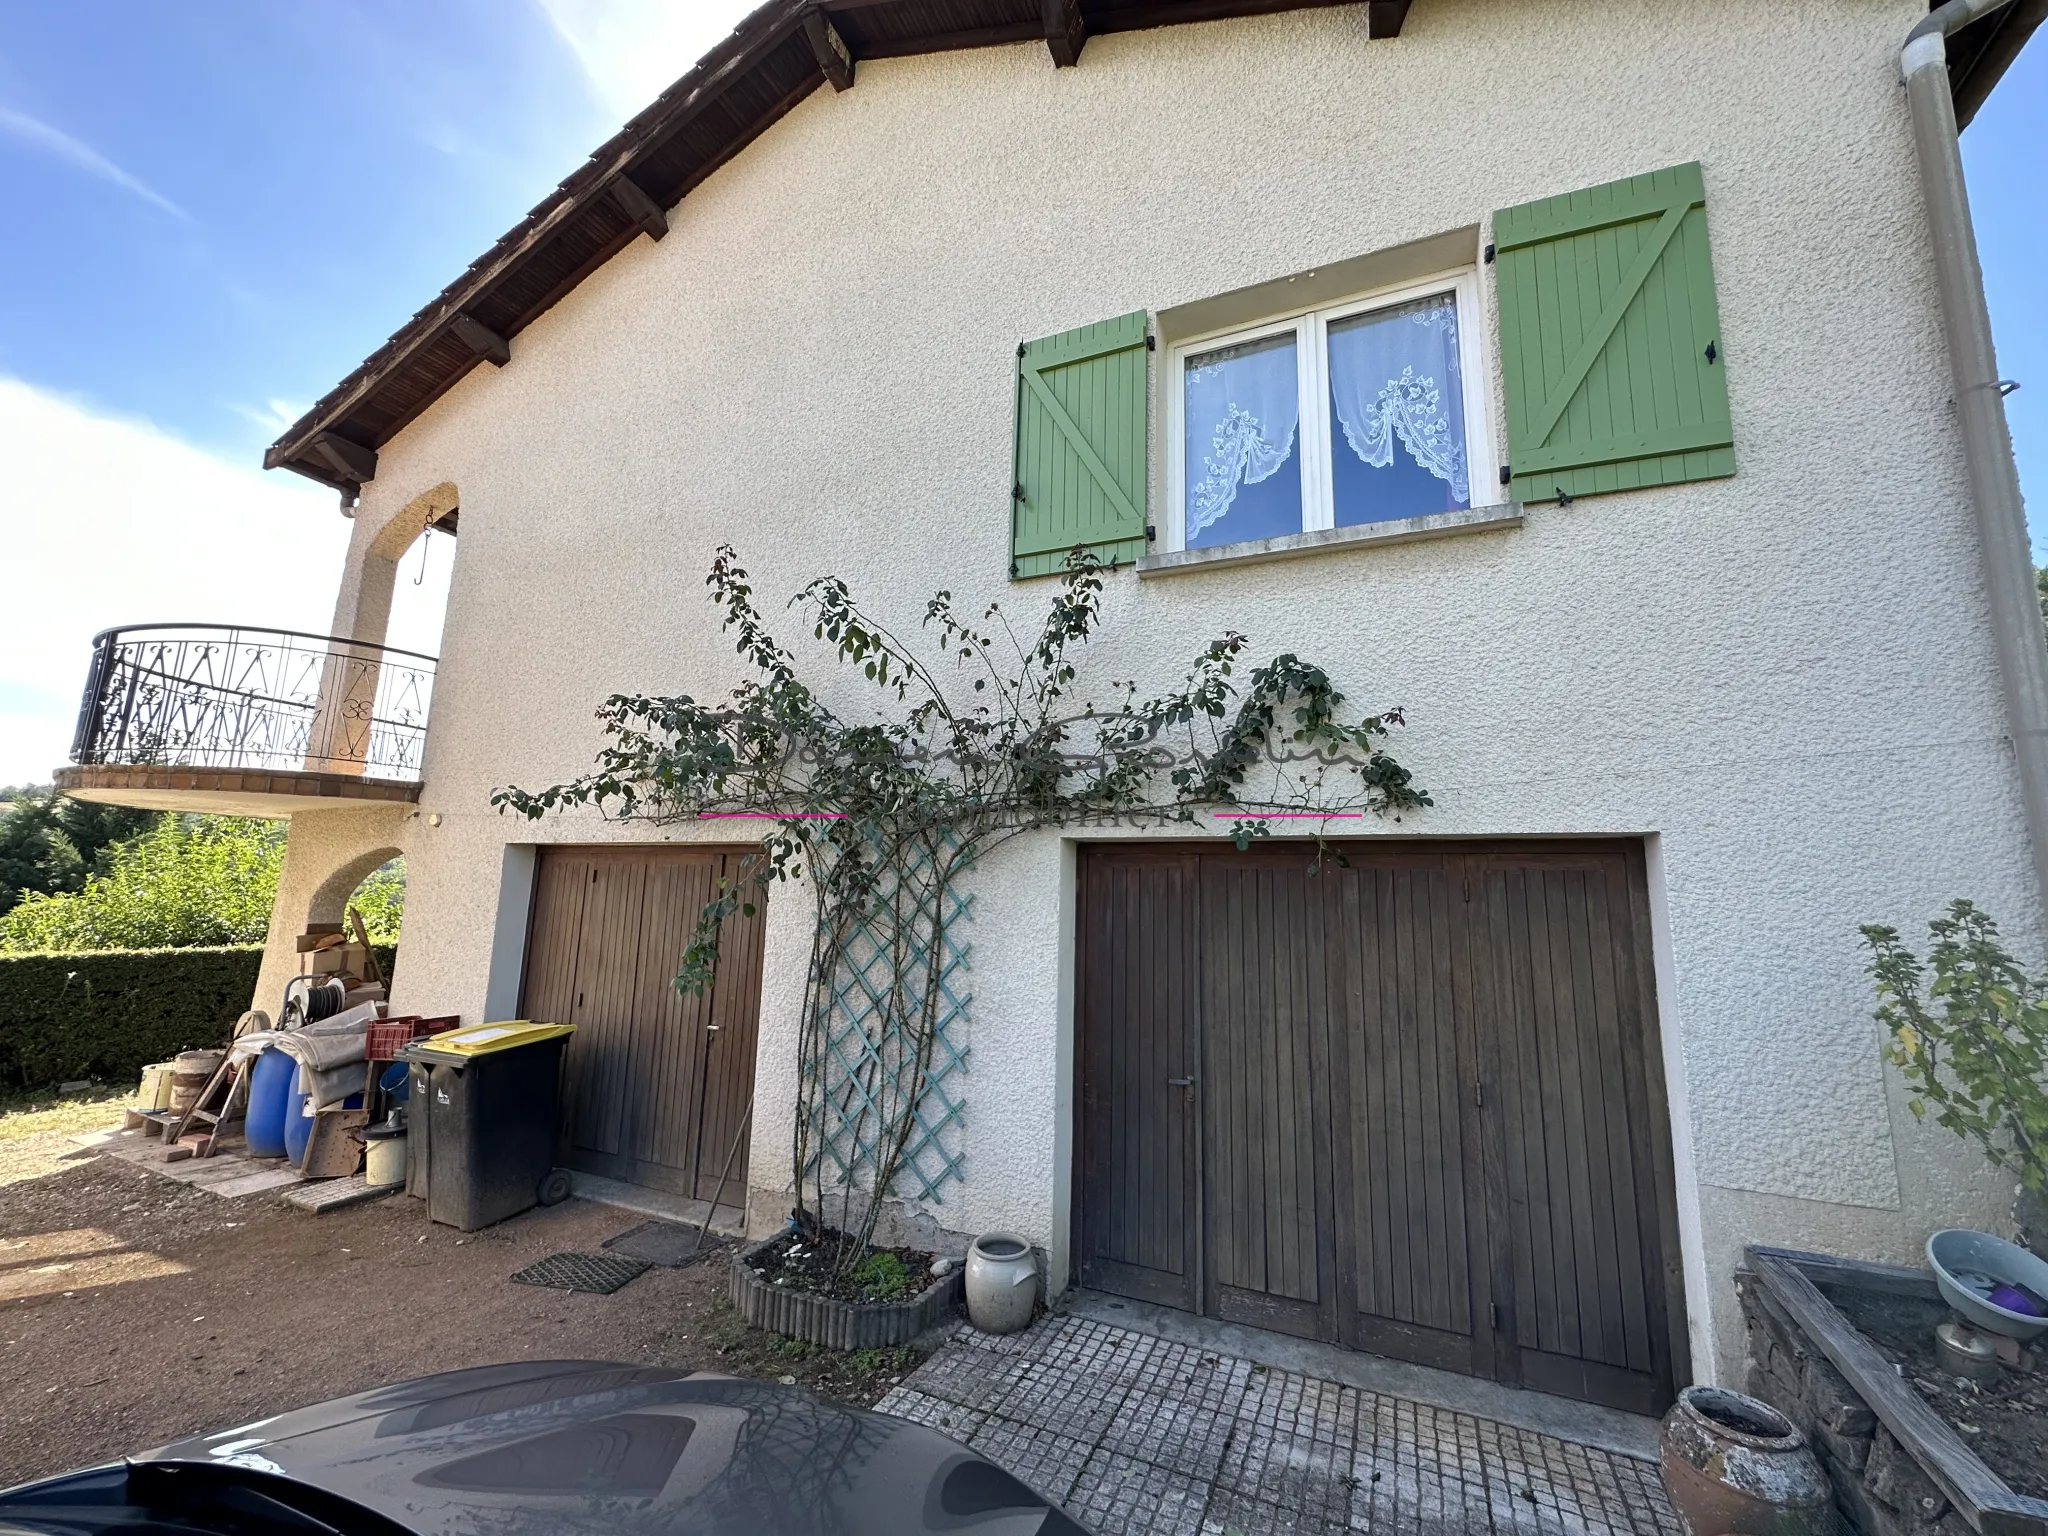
{"x": 634, "y": 202}
{"x": 481, "y": 339}
{"x": 835, "y": 59}
{"x": 1066, "y": 31}
{"x": 1383, "y": 18}
{"x": 735, "y": 1025}
{"x": 1977, "y": 1492}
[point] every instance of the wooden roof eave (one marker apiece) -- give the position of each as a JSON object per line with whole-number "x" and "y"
{"x": 333, "y": 442}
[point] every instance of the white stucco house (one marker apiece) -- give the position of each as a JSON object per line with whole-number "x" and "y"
{"x": 1606, "y": 385}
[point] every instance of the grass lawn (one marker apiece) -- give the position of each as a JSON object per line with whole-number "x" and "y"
{"x": 39, "y": 1114}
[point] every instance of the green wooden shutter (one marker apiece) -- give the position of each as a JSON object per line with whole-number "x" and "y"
{"x": 1610, "y": 339}
{"x": 1080, "y": 457}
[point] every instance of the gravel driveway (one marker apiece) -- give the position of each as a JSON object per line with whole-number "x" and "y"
{"x": 134, "y": 1310}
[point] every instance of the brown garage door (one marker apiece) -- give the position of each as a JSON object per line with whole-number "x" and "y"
{"x": 1409, "y": 1100}
{"x": 657, "y": 1082}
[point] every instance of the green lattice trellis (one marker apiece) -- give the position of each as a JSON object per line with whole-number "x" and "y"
{"x": 847, "y": 1120}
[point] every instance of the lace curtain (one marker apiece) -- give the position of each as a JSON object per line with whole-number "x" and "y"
{"x": 1394, "y": 374}
{"x": 1244, "y": 404}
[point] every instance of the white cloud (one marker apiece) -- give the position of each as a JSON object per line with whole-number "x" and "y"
{"x": 633, "y": 50}
{"x": 110, "y": 521}
{"x": 84, "y": 157}
{"x": 272, "y": 416}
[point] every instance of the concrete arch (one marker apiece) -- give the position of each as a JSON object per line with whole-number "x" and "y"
{"x": 362, "y": 608}
{"x": 327, "y": 854}
{"x": 329, "y": 901}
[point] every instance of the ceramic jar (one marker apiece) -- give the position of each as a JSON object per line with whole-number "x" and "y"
{"x": 1002, "y": 1283}
{"x": 1734, "y": 1465}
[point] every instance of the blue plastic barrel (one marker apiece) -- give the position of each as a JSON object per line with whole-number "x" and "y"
{"x": 270, "y": 1086}
{"x": 298, "y": 1125}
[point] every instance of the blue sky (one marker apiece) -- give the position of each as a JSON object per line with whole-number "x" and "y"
{"x": 216, "y": 208}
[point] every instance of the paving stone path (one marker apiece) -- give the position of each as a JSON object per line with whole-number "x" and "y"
{"x": 1138, "y": 1434}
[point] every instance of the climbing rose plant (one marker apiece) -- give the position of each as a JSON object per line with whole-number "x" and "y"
{"x": 1976, "y": 1047}
{"x": 881, "y": 817}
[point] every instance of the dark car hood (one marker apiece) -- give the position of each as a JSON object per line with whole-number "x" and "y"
{"x": 545, "y": 1447}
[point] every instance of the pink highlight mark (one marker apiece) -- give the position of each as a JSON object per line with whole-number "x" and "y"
{"x": 771, "y": 815}
{"x": 1288, "y": 815}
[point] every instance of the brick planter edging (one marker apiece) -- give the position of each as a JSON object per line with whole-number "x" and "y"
{"x": 834, "y": 1323}
{"x": 1897, "y": 1468}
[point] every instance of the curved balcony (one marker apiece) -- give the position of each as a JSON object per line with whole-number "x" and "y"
{"x": 263, "y": 722}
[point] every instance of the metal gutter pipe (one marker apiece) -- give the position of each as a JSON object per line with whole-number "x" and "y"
{"x": 1980, "y": 411}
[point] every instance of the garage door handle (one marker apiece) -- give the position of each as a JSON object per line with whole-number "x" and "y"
{"x": 1180, "y": 1082}
{"x": 711, "y": 1029}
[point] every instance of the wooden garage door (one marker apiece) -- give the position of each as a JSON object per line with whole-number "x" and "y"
{"x": 657, "y": 1082}
{"x": 1407, "y": 1099}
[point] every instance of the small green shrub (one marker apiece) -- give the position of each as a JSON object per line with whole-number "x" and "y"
{"x": 873, "y": 1362}
{"x": 882, "y": 1276}
{"x": 1977, "y": 1048}
{"x": 784, "y": 1346}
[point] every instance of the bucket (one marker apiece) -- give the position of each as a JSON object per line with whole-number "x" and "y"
{"x": 155, "y": 1092}
{"x": 189, "y": 1076}
{"x": 384, "y": 1160}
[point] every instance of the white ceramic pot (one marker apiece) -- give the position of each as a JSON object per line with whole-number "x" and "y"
{"x": 1002, "y": 1283}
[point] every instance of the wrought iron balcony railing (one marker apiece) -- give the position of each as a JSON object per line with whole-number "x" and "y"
{"x": 219, "y": 696}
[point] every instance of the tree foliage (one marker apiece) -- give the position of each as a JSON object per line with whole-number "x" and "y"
{"x": 49, "y": 844}
{"x": 191, "y": 880}
{"x": 1976, "y": 1046}
{"x": 881, "y": 816}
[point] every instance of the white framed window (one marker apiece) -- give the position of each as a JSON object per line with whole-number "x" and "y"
{"x": 1361, "y": 412}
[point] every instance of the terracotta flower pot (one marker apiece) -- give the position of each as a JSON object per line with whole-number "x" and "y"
{"x": 1736, "y": 1467}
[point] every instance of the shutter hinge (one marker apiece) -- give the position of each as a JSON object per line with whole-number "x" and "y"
{"x": 1493, "y": 1316}
{"x": 1507, "y": 474}
{"x": 1020, "y": 349}
{"x": 1713, "y": 352}
{"x": 1564, "y": 497}
{"x": 1489, "y": 253}
{"x": 1017, "y": 491}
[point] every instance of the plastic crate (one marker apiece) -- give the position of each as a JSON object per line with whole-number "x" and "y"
{"x": 387, "y": 1036}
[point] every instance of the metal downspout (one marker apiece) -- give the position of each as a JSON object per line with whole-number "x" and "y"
{"x": 1980, "y": 411}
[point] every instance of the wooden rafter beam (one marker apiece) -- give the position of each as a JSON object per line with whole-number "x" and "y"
{"x": 482, "y": 340}
{"x": 1066, "y": 31}
{"x": 638, "y": 206}
{"x": 348, "y": 461}
{"x": 1383, "y": 18}
{"x": 835, "y": 59}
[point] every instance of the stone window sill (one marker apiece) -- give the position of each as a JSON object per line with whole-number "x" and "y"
{"x": 1293, "y": 546}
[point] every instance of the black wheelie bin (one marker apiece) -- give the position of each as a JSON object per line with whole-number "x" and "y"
{"x": 482, "y": 1115}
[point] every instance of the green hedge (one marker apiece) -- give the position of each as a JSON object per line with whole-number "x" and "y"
{"x": 107, "y": 1014}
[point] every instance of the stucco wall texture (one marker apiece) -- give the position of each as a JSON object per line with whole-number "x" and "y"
{"x": 1785, "y": 682}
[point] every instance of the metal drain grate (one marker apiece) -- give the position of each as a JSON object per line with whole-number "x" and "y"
{"x": 598, "y": 1273}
